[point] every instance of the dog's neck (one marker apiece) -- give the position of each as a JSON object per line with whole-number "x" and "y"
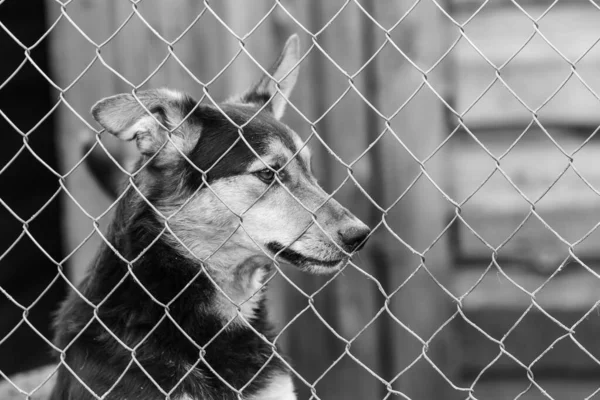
{"x": 234, "y": 293}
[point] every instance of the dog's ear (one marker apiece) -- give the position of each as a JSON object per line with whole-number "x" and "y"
{"x": 147, "y": 119}
{"x": 284, "y": 73}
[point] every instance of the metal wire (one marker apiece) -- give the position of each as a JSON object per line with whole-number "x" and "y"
{"x": 388, "y": 131}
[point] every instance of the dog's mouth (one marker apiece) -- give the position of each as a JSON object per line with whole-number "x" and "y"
{"x": 301, "y": 260}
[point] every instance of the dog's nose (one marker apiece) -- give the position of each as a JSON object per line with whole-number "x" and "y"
{"x": 354, "y": 237}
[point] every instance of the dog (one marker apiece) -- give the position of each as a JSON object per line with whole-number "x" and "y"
{"x": 173, "y": 304}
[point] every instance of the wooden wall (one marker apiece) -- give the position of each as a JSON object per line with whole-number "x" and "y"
{"x": 532, "y": 252}
{"x": 353, "y": 300}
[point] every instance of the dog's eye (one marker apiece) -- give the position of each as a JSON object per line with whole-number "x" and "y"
{"x": 266, "y": 175}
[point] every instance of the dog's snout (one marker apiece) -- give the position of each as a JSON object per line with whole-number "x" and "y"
{"x": 354, "y": 237}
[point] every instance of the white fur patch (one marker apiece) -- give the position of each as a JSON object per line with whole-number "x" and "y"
{"x": 244, "y": 289}
{"x": 280, "y": 387}
{"x": 253, "y": 296}
{"x": 305, "y": 152}
{"x": 173, "y": 94}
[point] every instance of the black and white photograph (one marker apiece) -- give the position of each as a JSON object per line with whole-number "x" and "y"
{"x": 299, "y": 199}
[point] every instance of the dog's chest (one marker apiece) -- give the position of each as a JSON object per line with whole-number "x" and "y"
{"x": 280, "y": 387}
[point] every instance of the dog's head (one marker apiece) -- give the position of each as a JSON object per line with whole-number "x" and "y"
{"x": 232, "y": 180}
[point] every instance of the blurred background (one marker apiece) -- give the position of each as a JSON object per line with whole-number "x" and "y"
{"x": 462, "y": 131}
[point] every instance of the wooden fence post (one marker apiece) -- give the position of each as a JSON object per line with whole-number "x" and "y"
{"x": 70, "y": 53}
{"x": 422, "y": 213}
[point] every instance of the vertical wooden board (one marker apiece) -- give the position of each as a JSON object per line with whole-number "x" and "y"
{"x": 130, "y": 58}
{"x": 344, "y": 129}
{"x": 198, "y": 55}
{"x": 209, "y": 48}
{"x": 420, "y": 304}
{"x": 258, "y": 40}
{"x": 164, "y": 23}
{"x": 70, "y": 54}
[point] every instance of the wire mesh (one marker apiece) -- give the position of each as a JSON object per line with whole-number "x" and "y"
{"x": 458, "y": 125}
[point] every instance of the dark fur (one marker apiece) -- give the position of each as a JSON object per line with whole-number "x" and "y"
{"x": 130, "y": 313}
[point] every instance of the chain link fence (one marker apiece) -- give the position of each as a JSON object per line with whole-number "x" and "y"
{"x": 462, "y": 133}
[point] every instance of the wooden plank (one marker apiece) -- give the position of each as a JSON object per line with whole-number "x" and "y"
{"x": 96, "y": 83}
{"x": 458, "y": 6}
{"x": 571, "y": 207}
{"x": 560, "y": 388}
{"x": 353, "y": 301}
{"x": 534, "y": 335}
{"x": 534, "y": 246}
{"x": 570, "y": 291}
{"x": 496, "y": 304}
{"x": 535, "y": 73}
{"x": 420, "y": 304}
